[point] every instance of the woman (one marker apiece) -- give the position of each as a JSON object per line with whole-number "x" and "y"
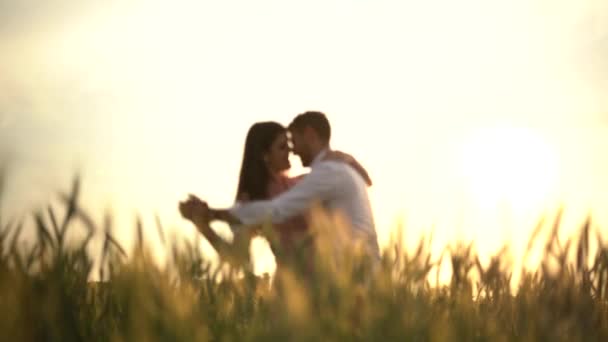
{"x": 263, "y": 176}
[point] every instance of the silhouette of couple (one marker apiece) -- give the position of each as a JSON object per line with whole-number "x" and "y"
{"x": 337, "y": 184}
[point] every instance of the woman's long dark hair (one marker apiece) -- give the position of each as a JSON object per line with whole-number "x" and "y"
{"x": 255, "y": 176}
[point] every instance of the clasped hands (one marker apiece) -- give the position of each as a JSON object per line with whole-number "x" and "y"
{"x": 195, "y": 210}
{"x": 199, "y": 213}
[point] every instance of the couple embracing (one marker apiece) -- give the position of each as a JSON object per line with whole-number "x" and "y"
{"x": 336, "y": 184}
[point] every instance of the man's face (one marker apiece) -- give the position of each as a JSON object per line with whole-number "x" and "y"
{"x": 300, "y": 147}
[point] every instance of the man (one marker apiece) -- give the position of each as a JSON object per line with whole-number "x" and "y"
{"x": 335, "y": 185}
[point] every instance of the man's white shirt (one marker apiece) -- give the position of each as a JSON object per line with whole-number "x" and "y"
{"x": 335, "y": 185}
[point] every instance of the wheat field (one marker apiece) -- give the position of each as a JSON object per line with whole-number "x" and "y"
{"x": 46, "y": 293}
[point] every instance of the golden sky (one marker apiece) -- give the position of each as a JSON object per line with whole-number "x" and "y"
{"x": 473, "y": 117}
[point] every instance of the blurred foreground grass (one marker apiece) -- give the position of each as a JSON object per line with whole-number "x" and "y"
{"x": 46, "y": 295}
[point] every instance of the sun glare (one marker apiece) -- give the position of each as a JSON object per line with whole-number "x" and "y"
{"x": 509, "y": 166}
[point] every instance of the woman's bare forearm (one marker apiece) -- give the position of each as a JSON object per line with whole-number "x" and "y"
{"x": 214, "y": 240}
{"x": 350, "y": 160}
{"x": 362, "y": 171}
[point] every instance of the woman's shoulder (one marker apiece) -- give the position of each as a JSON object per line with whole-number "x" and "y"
{"x": 291, "y": 181}
{"x": 243, "y": 197}
{"x": 281, "y": 184}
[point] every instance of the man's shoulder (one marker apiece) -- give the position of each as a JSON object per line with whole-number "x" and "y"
{"x": 328, "y": 165}
{"x": 334, "y": 167}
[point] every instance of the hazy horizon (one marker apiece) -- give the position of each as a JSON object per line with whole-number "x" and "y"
{"x": 467, "y": 115}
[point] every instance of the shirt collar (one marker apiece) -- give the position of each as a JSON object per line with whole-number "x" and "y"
{"x": 319, "y": 157}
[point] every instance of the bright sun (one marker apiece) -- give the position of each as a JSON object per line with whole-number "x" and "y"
{"x": 509, "y": 166}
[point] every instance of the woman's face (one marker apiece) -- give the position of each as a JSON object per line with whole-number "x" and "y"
{"x": 277, "y": 157}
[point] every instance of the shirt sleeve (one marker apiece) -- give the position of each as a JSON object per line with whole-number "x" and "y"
{"x": 317, "y": 185}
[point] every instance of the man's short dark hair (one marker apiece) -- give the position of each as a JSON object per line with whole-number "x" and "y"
{"x": 316, "y": 120}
